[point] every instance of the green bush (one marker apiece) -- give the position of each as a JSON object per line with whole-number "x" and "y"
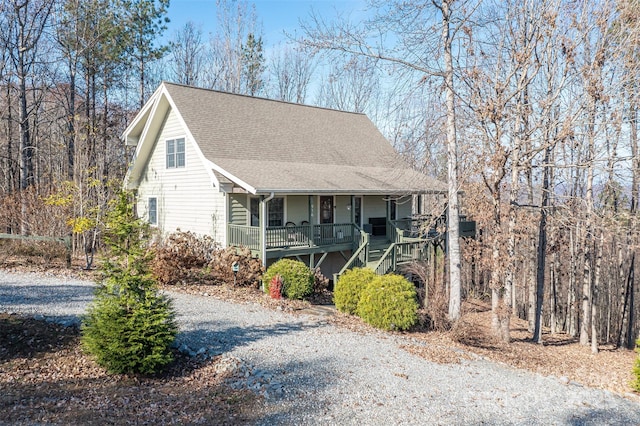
{"x": 130, "y": 326}
{"x": 389, "y": 302}
{"x": 297, "y": 278}
{"x": 349, "y": 288}
{"x": 636, "y": 368}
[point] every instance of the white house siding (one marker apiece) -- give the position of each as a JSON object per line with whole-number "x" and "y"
{"x": 186, "y": 196}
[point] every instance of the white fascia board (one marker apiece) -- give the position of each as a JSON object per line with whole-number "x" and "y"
{"x": 250, "y": 189}
{"x": 143, "y": 114}
{"x": 147, "y": 138}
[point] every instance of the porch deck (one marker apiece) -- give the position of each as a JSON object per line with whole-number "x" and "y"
{"x": 296, "y": 240}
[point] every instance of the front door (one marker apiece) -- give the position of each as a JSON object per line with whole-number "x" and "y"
{"x": 326, "y": 209}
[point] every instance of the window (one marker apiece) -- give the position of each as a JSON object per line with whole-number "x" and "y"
{"x": 153, "y": 211}
{"x": 255, "y": 211}
{"x": 175, "y": 153}
{"x": 276, "y": 212}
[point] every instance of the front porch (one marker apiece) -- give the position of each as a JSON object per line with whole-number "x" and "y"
{"x": 335, "y": 233}
{"x": 296, "y": 240}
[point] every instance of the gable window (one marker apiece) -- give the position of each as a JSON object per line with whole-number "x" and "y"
{"x": 276, "y": 212}
{"x": 175, "y": 153}
{"x": 153, "y": 211}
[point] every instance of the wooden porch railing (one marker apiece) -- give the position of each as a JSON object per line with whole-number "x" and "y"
{"x": 294, "y": 235}
{"x": 241, "y": 235}
{"x": 399, "y": 253}
{"x": 360, "y": 257}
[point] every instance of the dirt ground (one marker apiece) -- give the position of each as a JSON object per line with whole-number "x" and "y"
{"x": 45, "y": 376}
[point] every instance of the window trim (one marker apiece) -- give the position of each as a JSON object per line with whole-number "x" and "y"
{"x": 284, "y": 210}
{"x": 153, "y": 222}
{"x": 175, "y": 154}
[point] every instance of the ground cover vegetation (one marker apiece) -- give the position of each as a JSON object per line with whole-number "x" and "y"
{"x": 539, "y": 113}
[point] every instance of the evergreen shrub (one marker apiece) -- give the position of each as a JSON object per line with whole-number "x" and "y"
{"x": 130, "y": 326}
{"x": 389, "y": 302}
{"x": 349, "y": 287}
{"x": 297, "y": 278}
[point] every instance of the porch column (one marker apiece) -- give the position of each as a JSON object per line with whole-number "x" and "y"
{"x": 263, "y": 227}
{"x": 353, "y": 209}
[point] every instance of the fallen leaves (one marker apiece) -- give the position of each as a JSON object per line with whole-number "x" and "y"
{"x": 46, "y": 378}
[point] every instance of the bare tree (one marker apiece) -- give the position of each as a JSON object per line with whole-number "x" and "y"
{"x": 422, "y": 34}
{"x": 226, "y": 63}
{"x": 291, "y": 71}
{"x": 187, "y": 54}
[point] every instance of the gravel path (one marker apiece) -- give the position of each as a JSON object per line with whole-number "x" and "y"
{"x": 314, "y": 373}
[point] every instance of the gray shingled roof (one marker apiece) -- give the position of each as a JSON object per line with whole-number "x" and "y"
{"x": 285, "y": 147}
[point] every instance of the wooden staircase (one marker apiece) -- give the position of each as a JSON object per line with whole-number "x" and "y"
{"x": 377, "y": 248}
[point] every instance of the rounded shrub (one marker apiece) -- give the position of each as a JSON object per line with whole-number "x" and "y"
{"x": 389, "y": 302}
{"x": 297, "y": 278}
{"x": 349, "y": 288}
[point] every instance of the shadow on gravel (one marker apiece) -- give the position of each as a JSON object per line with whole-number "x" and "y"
{"x": 302, "y": 401}
{"x": 220, "y": 337}
{"x": 603, "y": 417}
{"x": 42, "y": 295}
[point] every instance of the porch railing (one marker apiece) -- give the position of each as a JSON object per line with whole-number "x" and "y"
{"x": 399, "y": 253}
{"x": 241, "y": 235}
{"x": 360, "y": 257}
{"x": 294, "y": 235}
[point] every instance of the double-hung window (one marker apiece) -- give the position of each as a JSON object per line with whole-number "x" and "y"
{"x": 175, "y": 153}
{"x": 276, "y": 212}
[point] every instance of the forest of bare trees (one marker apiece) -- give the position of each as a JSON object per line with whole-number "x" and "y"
{"x": 527, "y": 108}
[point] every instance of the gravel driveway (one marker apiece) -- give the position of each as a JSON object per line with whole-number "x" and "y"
{"x": 315, "y": 373}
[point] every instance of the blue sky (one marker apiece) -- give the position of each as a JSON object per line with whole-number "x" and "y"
{"x": 276, "y": 16}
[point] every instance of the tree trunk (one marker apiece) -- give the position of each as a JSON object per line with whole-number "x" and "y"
{"x": 453, "y": 216}
{"x": 594, "y": 295}
{"x": 542, "y": 246}
{"x": 571, "y": 292}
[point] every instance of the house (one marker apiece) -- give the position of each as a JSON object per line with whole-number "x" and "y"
{"x": 283, "y": 179}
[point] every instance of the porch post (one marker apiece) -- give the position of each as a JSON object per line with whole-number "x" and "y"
{"x": 263, "y": 227}
{"x": 353, "y": 209}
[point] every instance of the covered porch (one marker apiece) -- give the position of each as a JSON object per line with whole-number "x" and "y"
{"x": 312, "y": 225}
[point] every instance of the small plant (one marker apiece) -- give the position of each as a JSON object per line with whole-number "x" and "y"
{"x": 636, "y": 369}
{"x": 297, "y": 278}
{"x": 130, "y": 326}
{"x": 275, "y": 287}
{"x": 389, "y": 302}
{"x": 181, "y": 257}
{"x": 349, "y": 288}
